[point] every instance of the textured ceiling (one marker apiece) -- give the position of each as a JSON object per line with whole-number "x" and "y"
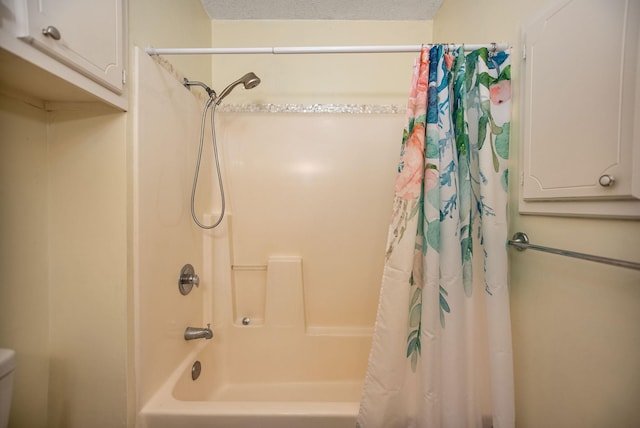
{"x": 375, "y": 10}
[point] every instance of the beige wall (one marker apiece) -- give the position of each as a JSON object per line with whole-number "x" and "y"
{"x": 327, "y": 78}
{"x": 576, "y": 344}
{"x": 173, "y": 24}
{"x": 87, "y": 268}
{"x": 64, "y": 255}
{"x": 24, "y": 293}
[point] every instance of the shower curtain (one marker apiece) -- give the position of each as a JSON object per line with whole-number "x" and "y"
{"x": 441, "y": 352}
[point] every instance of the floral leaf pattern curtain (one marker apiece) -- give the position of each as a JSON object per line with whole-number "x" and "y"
{"x": 441, "y": 351}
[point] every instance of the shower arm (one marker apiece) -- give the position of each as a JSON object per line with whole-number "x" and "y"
{"x": 187, "y": 83}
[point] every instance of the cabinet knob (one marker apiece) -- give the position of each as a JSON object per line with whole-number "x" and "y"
{"x": 52, "y": 32}
{"x": 606, "y": 180}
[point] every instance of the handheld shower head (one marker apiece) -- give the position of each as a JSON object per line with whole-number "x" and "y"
{"x": 249, "y": 81}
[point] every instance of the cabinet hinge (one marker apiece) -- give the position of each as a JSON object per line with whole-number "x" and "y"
{"x": 521, "y": 178}
{"x": 124, "y": 77}
{"x": 524, "y": 52}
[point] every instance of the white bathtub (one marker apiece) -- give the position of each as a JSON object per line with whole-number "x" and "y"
{"x": 272, "y": 393}
{"x": 276, "y": 372}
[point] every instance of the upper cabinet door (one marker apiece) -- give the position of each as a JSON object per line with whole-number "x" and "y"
{"x": 581, "y": 102}
{"x": 86, "y": 35}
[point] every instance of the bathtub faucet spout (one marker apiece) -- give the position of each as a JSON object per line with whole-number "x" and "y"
{"x": 191, "y": 333}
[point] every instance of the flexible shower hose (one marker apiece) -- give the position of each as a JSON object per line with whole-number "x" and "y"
{"x": 209, "y": 105}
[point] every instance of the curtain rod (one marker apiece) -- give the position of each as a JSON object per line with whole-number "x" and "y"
{"x": 318, "y": 49}
{"x": 521, "y": 242}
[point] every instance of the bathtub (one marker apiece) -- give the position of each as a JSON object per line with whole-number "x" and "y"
{"x": 267, "y": 389}
{"x": 276, "y": 371}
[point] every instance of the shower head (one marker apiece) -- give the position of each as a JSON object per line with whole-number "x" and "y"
{"x": 249, "y": 80}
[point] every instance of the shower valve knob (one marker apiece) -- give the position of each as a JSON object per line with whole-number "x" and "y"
{"x": 194, "y": 279}
{"x": 190, "y": 279}
{"x": 187, "y": 279}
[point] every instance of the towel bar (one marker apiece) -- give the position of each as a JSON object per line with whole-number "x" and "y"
{"x": 520, "y": 241}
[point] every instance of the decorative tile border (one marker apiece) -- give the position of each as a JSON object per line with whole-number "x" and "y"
{"x": 313, "y": 108}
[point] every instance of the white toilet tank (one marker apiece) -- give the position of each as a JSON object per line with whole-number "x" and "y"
{"x": 7, "y": 364}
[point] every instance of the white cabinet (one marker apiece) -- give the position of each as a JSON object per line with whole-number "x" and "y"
{"x": 76, "y": 46}
{"x": 581, "y": 110}
{"x": 86, "y": 35}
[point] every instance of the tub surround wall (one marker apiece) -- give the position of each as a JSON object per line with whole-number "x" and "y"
{"x": 166, "y": 135}
{"x": 318, "y": 187}
{"x": 577, "y": 360}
